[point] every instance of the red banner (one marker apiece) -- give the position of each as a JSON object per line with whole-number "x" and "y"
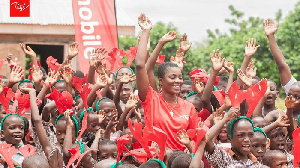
{"x": 95, "y": 26}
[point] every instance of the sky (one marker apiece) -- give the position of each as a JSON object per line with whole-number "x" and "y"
{"x": 194, "y": 17}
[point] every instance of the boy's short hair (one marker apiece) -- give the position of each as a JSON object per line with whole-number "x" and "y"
{"x": 188, "y": 82}
{"x": 150, "y": 164}
{"x": 268, "y": 158}
{"x": 182, "y": 161}
{"x": 35, "y": 161}
{"x": 106, "y": 142}
{"x": 173, "y": 156}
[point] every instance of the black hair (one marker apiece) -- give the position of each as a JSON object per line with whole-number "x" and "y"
{"x": 4, "y": 77}
{"x": 269, "y": 156}
{"x": 188, "y": 82}
{"x": 79, "y": 74}
{"x": 150, "y": 164}
{"x": 125, "y": 165}
{"x": 75, "y": 117}
{"x": 223, "y": 78}
{"x": 257, "y": 78}
{"x": 35, "y": 161}
{"x": 270, "y": 80}
{"x": 106, "y": 142}
{"x": 173, "y": 156}
{"x": 182, "y": 161}
{"x": 163, "y": 67}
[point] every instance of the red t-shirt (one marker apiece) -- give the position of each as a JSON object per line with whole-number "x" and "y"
{"x": 169, "y": 117}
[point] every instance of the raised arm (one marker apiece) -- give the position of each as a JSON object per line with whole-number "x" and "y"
{"x": 214, "y": 130}
{"x": 67, "y": 145}
{"x": 37, "y": 120}
{"x": 28, "y": 51}
{"x": 142, "y": 80}
{"x": 217, "y": 63}
{"x": 170, "y": 36}
{"x": 250, "y": 50}
{"x": 270, "y": 29}
{"x": 131, "y": 103}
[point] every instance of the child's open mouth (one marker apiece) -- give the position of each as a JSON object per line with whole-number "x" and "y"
{"x": 17, "y": 137}
{"x": 281, "y": 146}
{"x": 246, "y": 147}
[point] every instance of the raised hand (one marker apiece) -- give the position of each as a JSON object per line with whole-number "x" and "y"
{"x": 101, "y": 81}
{"x": 178, "y": 59}
{"x": 229, "y": 66}
{"x": 138, "y": 114}
{"x": 27, "y": 90}
{"x": 216, "y": 60}
{"x": 183, "y": 138}
{"x": 37, "y": 74}
{"x": 247, "y": 81}
{"x": 114, "y": 120}
{"x": 251, "y": 47}
{"x": 270, "y": 27}
{"x": 289, "y": 102}
{"x": 96, "y": 58}
{"x": 67, "y": 74}
{"x": 282, "y": 120}
{"x": 16, "y": 74}
{"x": 101, "y": 116}
{"x": 28, "y": 51}
{"x": 170, "y": 36}
{"x": 184, "y": 43}
{"x": 68, "y": 114}
{"x": 52, "y": 77}
{"x": 10, "y": 61}
{"x": 232, "y": 113}
{"x": 218, "y": 116}
{"x": 144, "y": 22}
{"x": 132, "y": 101}
{"x": 128, "y": 78}
{"x": 251, "y": 70}
{"x": 73, "y": 50}
{"x": 199, "y": 86}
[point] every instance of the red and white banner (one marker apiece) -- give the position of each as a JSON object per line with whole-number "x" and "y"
{"x": 95, "y": 26}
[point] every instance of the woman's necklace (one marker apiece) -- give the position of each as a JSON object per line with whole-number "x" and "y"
{"x": 171, "y": 109}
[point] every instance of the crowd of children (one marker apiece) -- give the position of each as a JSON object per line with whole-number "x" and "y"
{"x": 123, "y": 119}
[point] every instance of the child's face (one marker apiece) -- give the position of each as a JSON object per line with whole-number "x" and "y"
{"x": 295, "y": 93}
{"x": 185, "y": 90}
{"x": 277, "y": 139}
{"x": 87, "y": 161}
{"x": 223, "y": 136}
{"x": 108, "y": 108}
{"x": 279, "y": 161}
{"x": 197, "y": 104}
{"x": 258, "y": 122}
{"x": 93, "y": 123}
{"x": 123, "y": 72}
{"x": 61, "y": 86}
{"x": 258, "y": 148}
{"x": 108, "y": 152}
{"x": 61, "y": 128}
{"x": 125, "y": 92}
{"x": 242, "y": 135}
{"x": 222, "y": 85}
{"x": 271, "y": 97}
{"x": 13, "y": 130}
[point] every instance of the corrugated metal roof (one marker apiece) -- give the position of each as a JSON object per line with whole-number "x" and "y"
{"x": 57, "y": 12}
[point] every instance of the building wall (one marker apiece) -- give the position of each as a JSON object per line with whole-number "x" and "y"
{"x": 13, "y": 34}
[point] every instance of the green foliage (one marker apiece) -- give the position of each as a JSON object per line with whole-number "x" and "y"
{"x": 232, "y": 44}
